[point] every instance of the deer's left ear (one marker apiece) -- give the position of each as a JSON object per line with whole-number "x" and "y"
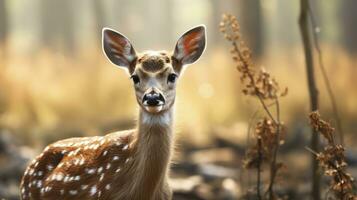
{"x": 118, "y": 49}
{"x": 190, "y": 46}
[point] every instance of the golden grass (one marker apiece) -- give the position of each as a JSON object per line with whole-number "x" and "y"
{"x": 47, "y": 96}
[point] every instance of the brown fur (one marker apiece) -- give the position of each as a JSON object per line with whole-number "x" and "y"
{"x": 153, "y": 63}
{"x": 143, "y": 176}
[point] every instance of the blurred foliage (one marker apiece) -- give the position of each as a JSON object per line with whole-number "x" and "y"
{"x": 52, "y": 96}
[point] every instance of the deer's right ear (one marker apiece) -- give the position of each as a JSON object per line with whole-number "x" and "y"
{"x": 118, "y": 49}
{"x": 190, "y": 46}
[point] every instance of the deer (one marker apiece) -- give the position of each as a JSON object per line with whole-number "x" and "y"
{"x": 131, "y": 164}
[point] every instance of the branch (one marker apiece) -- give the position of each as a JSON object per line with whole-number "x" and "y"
{"x": 313, "y": 92}
{"x": 273, "y": 169}
{"x": 324, "y": 73}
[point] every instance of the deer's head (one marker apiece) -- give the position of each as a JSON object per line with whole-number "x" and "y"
{"x": 154, "y": 73}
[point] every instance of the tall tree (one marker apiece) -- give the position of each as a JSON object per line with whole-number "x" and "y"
{"x": 3, "y": 23}
{"x": 57, "y": 24}
{"x": 252, "y": 27}
{"x": 305, "y": 29}
{"x": 99, "y": 18}
{"x": 348, "y": 24}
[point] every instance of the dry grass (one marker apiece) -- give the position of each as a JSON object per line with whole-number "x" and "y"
{"x": 332, "y": 160}
{"x": 45, "y": 93}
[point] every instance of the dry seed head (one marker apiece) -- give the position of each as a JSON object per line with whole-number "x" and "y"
{"x": 266, "y": 132}
{"x": 255, "y": 83}
{"x": 332, "y": 160}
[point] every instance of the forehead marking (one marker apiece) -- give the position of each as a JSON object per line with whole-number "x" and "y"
{"x": 154, "y": 63}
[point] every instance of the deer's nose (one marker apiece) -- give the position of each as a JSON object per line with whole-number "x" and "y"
{"x": 153, "y": 99}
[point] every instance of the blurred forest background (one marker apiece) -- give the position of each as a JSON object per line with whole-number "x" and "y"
{"x": 56, "y": 83}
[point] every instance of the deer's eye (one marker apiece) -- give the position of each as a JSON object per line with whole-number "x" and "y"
{"x": 172, "y": 78}
{"x": 135, "y": 79}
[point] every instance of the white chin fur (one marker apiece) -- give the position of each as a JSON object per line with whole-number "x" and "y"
{"x": 153, "y": 109}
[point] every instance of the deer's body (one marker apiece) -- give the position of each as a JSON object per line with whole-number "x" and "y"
{"x": 128, "y": 163}
{"x": 131, "y": 164}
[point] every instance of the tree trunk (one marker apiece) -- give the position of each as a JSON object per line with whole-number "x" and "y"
{"x": 251, "y": 22}
{"x": 99, "y": 17}
{"x": 313, "y": 92}
{"x": 348, "y": 25}
{"x": 57, "y": 24}
{"x": 3, "y": 24}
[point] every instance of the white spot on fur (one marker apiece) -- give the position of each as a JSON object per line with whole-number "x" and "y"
{"x": 39, "y": 184}
{"x": 108, "y": 166}
{"x": 93, "y": 190}
{"x": 90, "y": 171}
{"x": 127, "y": 160}
{"x": 83, "y": 187}
{"x": 82, "y": 161}
{"x": 48, "y": 188}
{"x": 66, "y": 178}
{"x": 101, "y": 177}
{"x": 105, "y": 153}
{"x": 49, "y": 167}
{"x": 126, "y": 147}
{"x": 100, "y": 169}
{"x": 73, "y": 192}
{"x": 59, "y": 177}
{"x": 77, "y": 178}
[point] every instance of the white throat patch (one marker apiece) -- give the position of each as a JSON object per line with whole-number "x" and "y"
{"x": 163, "y": 119}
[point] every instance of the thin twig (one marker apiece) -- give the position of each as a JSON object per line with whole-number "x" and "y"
{"x": 312, "y": 151}
{"x": 259, "y": 168}
{"x": 324, "y": 73}
{"x": 252, "y": 118}
{"x": 273, "y": 170}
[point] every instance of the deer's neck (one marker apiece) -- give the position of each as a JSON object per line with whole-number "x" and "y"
{"x": 153, "y": 150}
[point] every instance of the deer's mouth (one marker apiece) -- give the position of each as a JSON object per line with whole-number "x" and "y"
{"x": 153, "y": 109}
{"x": 153, "y": 102}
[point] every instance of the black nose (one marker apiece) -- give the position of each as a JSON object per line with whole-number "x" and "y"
{"x": 153, "y": 99}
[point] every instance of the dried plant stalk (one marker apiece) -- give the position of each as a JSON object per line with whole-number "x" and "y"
{"x": 332, "y": 160}
{"x": 257, "y": 83}
{"x": 316, "y": 31}
{"x": 312, "y": 88}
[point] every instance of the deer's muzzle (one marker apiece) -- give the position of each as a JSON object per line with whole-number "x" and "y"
{"x": 153, "y": 99}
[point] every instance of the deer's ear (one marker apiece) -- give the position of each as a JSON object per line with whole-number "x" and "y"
{"x": 190, "y": 46}
{"x": 118, "y": 49}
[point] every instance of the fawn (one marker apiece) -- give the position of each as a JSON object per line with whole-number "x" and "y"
{"x": 132, "y": 164}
